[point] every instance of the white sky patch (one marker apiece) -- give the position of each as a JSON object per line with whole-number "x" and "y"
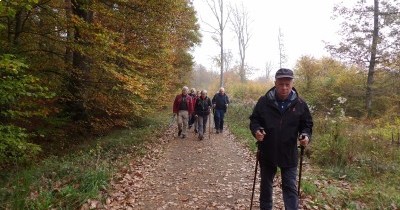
{"x": 304, "y": 25}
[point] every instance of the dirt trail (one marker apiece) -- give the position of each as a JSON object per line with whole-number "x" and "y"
{"x": 215, "y": 173}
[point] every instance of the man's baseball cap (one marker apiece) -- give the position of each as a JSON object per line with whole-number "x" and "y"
{"x": 284, "y": 73}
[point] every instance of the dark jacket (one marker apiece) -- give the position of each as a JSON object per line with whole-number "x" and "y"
{"x": 178, "y": 101}
{"x": 202, "y": 106}
{"x": 279, "y": 147}
{"x": 220, "y": 101}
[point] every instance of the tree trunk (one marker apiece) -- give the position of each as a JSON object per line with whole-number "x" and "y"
{"x": 221, "y": 79}
{"x": 372, "y": 62}
{"x": 80, "y": 63}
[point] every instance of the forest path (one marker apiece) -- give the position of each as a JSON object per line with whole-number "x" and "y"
{"x": 214, "y": 173}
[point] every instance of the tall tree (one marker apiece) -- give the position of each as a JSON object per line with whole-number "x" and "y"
{"x": 218, "y": 10}
{"x": 81, "y": 62}
{"x": 240, "y": 20}
{"x": 105, "y": 60}
{"x": 370, "y": 38}
{"x": 282, "y": 54}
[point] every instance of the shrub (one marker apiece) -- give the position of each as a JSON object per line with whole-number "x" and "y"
{"x": 18, "y": 93}
{"x": 14, "y": 147}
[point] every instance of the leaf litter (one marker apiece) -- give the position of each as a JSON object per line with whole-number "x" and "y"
{"x": 215, "y": 173}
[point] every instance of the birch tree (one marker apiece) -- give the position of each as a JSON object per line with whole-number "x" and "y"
{"x": 240, "y": 20}
{"x": 218, "y": 10}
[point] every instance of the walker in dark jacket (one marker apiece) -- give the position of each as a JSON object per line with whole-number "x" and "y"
{"x": 202, "y": 110}
{"x": 279, "y": 147}
{"x": 220, "y": 103}
{"x": 283, "y": 121}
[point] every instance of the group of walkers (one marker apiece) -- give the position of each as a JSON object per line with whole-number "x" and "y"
{"x": 279, "y": 122}
{"x": 193, "y": 110}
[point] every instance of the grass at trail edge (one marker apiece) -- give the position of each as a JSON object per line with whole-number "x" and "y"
{"x": 68, "y": 181}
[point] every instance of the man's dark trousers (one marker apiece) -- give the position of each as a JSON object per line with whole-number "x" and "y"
{"x": 219, "y": 119}
{"x": 289, "y": 189}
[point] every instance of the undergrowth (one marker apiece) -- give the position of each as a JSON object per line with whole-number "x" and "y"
{"x": 343, "y": 151}
{"x": 67, "y": 181}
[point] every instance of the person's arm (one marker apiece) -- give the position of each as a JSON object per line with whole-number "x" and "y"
{"x": 255, "y": 118}
{"x": 190, "y": 105}
{"x": 197, "y": 108}
{"x": 194, "y": 101}
{"x": 214, "y": 100}
{"x": 175, "y": 106}
{"x": 226, "y": 102}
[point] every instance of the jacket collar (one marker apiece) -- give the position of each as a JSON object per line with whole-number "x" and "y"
{"x": 271, "y": 95}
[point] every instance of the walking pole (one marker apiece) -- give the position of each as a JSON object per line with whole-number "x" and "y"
{"x": 213, "y": 111}
{"x": 255, "y": 171}
{"x": 301, "y": 165}
{"x": 255, "y": 177}
{"x": 209, "y": 126}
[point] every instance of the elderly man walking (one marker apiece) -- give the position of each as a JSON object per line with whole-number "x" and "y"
{"x": 183, "y": 107}
{"x": 220, "y": 103}
{"x": 277, "y": 121}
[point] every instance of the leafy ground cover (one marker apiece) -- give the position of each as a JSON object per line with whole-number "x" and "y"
{"x": 68, "y": 181}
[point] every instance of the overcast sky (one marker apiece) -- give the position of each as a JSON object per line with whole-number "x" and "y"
{"x": 304, "y": 24}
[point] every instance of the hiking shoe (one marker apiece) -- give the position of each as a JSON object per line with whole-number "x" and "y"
{"x": 201, "y": 137}
{"x": 217, "y": 131}
{"x": 179, "y": 132}
{"x": 183, "y": 136}
{"x": 195, "y": 130}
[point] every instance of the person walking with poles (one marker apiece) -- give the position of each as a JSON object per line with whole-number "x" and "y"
{"x": 220, "y": 103}
{"x": 183, "y": 108}
{"x": 280, "y": 119}
{"x": 202, "y": 110}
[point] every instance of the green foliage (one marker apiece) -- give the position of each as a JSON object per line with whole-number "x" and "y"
{"x": 238, "y": 121}
{"x": 333, "y": 147}
{"x": 69, "y": 181}
{"x": 17, "y": 88}
{"x": 308, "y": 188}
{"x": 14, "y": 148}
{"x": 323, "y": 81}
{"x": 58, "y": 183}
{"x": 9, "y": 8}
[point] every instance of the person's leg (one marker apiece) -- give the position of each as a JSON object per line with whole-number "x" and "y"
{"x": 180, "y": 121}
{"x": 196, "y": 124}
{"x": 222, "y": 115}
{"x": 185, "y": 118}
{"x": 289, "y": 189}
{"x": 217, "y": 119}
{"x": 200, "y": 122}
{"x": 267, "y": 173}
{"x": 205, "y": 120}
